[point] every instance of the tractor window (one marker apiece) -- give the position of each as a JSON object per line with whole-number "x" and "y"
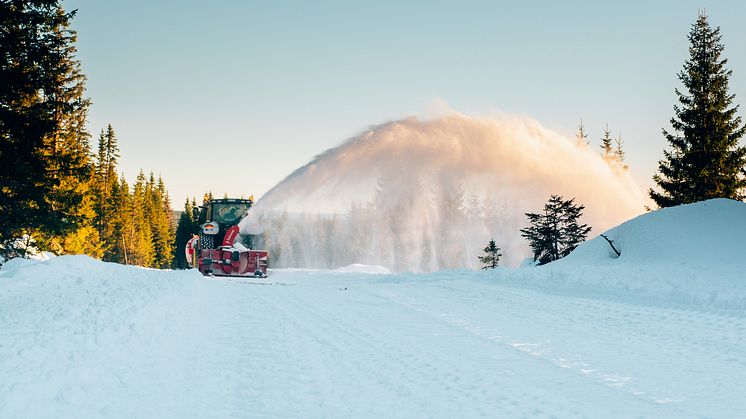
{"x": 229, "y": 213}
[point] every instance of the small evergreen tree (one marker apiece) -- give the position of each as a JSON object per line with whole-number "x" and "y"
{"x": 491, "y": 256}
{"x": 619, "y": 152}
{"x": 607, "y": 148}
{"x": 581, "y": 137}
{"x": 555, "y": 233}
{"x": 705, "y": 160}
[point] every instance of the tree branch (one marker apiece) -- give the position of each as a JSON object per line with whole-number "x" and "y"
{"x": 611, "y": 243}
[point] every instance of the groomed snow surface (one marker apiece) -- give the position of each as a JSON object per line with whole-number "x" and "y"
{"x": 657, "y": 332}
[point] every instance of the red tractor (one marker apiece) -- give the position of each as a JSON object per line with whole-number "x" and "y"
{"x": 219, "y": 249}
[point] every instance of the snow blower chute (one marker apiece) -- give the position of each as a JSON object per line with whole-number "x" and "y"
{"x": 219, "y": 249}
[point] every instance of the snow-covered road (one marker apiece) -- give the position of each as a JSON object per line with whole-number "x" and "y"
{"x": 131, "y": 342}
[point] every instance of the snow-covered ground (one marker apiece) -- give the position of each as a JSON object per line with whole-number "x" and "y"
{"x": 657, "y": 332}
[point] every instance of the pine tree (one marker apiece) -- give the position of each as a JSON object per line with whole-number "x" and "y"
{"x": 555, "y": 233}
{"x": 581, "y": 137}
{"x": 705, "y": 160}
{"x": 123, "y": 226}
{"x": 543, "y": 234}
{"x": 619, "y": 152}
{"x": 160, "y": 216}
{"x": 98, "y": 180}
{"x": 491, "y": 257}
{"x": 607, "y": 149}
{"x": 100, "y": 161}
{"x": 44, "y": 150}
{"x": 112, "y": 155}
{"x": 142, "y": 249}
{"x": 185, "y": 229}
{"x": 106, "y": 181}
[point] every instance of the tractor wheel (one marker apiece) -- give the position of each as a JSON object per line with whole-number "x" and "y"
{"x": 206, "y": 241}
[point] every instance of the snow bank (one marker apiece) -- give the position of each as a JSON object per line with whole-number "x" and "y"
{"x": 76, "y": 330}
{"x": 16, "y": 263}
{"x": 686, "y": 254}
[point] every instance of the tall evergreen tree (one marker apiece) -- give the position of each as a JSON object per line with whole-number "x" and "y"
{"x": 185, "y": 229}
{"x": 556, "y": 232}
{"x": 106, "y": 182}
{"x": 142, "y": 249}
{"x": 158, "y": 210}
{"x": 100, "y": 160}
{"x": 705, "y": 160}
{"x": 124, "y": 233}
{"x": 491, "y": 256}
{"x": 112, "y": 155}
{"x": 44, "y": 154}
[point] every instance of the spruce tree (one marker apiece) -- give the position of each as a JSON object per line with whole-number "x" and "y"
{"x": 112, "y": 155}
{"x": 556, "y": 232}
{"x": 491, "y": 257}
{"x": 185, "y": 229}
{"x": 100, "y": 160}
{"x": 705, "y": 160}
{"x": 44, "y": 154}
{"x": 619, "y": 152}
{"x": 607, "y": 148}
{"x": 98, "y": 179}
{"x": 142, "y": 249}
{"x": 160, "y": 219}
{"x": 123, "y": 224}
{"x": 106, "y": 182}
{"x": 581, "y": 137}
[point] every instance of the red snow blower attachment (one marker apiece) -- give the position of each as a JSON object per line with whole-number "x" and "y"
{"x": 220, "y": 249}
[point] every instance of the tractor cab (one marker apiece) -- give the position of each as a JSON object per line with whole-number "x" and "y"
{"x": 217, "y": 216}
{"x": 220, "y": 249}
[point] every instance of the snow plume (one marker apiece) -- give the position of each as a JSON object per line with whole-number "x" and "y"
{"x": 428, "y": 195}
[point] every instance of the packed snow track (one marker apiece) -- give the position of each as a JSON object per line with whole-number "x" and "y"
{"x": 129, "y": 342}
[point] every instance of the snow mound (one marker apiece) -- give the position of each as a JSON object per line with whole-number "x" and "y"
{"x": 365, "y": 269}
{"x": 708, "y": 233}
{"x": 16, "y": 263}
{"x": 689, "y": 254}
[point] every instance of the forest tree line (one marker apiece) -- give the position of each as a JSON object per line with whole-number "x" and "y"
{"x": 67, "y": 198}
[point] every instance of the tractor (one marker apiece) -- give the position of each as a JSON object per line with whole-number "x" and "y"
{"x": 219, "y": 249}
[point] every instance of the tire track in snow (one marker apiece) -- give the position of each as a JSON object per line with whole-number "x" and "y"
{"x": 161, "y": 344}
{"x": 566, "y": 317}
{"x": 489, "y": 378}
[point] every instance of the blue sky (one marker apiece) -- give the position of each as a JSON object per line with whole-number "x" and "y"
{"x": 252, "y": 90}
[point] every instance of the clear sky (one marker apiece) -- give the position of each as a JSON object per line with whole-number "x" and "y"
{"x": 232, "y": 96}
